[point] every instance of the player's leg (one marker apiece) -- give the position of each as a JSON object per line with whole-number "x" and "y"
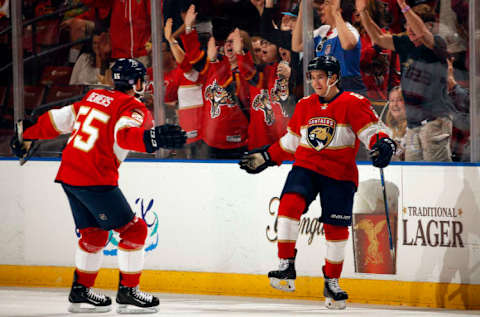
{"x": 88, "y": 259}
{"x": 292, "y": 204}
{"x": 336, "y": 199}
{"x": 111, "y": 210}
{"x": 130, "y": 262}
{"x": 290, "y": 210}
{"x": 336, "y": 239}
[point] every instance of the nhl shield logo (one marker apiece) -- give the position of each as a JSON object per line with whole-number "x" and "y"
{"x": 320, "y": 132}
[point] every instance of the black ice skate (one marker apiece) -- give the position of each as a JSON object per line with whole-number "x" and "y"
{"x": 131, "y": 300}
{"x": 284, "y": 278}
{"x": 84, "y": 300}
{"x": 335, "y": 297}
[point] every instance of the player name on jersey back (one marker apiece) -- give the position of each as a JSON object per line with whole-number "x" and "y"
{"x": 100, "y": 99}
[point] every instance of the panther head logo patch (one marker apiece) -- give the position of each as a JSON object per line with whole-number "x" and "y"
{"x": 320, "y": 132}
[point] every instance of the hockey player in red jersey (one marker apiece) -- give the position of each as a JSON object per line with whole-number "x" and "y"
{"x": 323, "y": 137}
{"x": 104, "y": 125}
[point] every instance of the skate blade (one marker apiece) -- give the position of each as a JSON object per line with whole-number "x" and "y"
{"x": 88, "y": 308}
{"x": 330, "y": 303}
{"x": 130, "y": 309}
{"x": 283, "y": 285}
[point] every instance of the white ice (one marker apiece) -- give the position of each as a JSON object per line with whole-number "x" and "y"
{"x": 48, "y": 302}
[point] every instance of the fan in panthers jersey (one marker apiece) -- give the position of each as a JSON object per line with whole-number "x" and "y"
{"x": 104, "y": 125}
{"x": 323, "y": 137}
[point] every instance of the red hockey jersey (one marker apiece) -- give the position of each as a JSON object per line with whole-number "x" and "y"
{"x": 104, "y": 125}
{"x": 268, "y": 119}
{"x": 225, "y": 97}
{"x": 324, "y": 137}
{"x": 184, "y": 88}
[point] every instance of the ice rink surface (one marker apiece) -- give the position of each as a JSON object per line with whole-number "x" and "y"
{"x": 48, "y": 302}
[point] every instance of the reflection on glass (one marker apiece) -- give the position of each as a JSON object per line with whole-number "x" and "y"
{"x": 227, "y": 108}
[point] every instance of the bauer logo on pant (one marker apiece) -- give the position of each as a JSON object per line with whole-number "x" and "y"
{"x": 320, "y": 132}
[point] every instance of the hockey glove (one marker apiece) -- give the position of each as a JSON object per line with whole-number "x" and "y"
{"x": 382, "y": 151}
{"x": 257, "y": 160}
{"x": 23, "y": 148}
{"x": 167, "y": 136}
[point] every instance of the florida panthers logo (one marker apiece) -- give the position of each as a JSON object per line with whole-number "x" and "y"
{"x": 279, "y": 91}
{"x": 262, "y": 103}
{"x": 218, "y": 96}
{"x": 320, "y": 132}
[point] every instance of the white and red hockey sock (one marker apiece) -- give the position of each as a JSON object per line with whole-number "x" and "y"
{"x": 89, "y": 255}
{"x": 290, "y": 210}
{"x": 336, "y": 237}
{"x": 130, "y": 251}
{"x": 87, "y": 266}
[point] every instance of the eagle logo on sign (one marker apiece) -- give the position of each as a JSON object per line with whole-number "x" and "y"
{"x": 320, "y": 132}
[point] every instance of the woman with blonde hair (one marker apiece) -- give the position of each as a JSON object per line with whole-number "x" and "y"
{"x": 396, "y": 121}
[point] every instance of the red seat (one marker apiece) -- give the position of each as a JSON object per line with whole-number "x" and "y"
{"x": 47, "y": 33}
{"x": 56, "y": 75}
{"x": 33, "y": 97}
{"x": 56, "y": 93}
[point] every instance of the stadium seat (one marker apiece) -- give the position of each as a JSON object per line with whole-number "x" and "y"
{"x": 56, "y": 93}
{"x": 33, "y": 97}
{"x": 56, "y": 75}
{"x": 47, "y": 33}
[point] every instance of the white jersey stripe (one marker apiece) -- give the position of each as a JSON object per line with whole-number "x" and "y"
{"x": 63, "y": 119}
{"x": 289, "y": 142}
{"x": 189, "y": 96}
{"x": 368, "y": 131}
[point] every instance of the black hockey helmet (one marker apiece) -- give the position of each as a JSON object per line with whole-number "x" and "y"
{"x": 329, "y": 64}
{"x": 126, "y": 72}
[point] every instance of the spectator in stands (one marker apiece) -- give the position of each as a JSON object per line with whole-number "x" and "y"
{"x": 93, "y": 63}
{"x": 130, "y": 28}
{"x": 424, "y": 71}
{"x": 461, "y": 119}
{"x": 282, "y": 38}
{"x": 393, "y": 18}
{"x": 225, "y": 93}
{"x": 336, "y": 37}
{"x": 183, "y": 93}
{"x": 269, "y": 93}
{"x": 396, "y": 121}
{"x": 81, "y": 22}
{"x": 380, "y": 68}
{"x": 289, "y": 18}
{"x": 257, "y": 48}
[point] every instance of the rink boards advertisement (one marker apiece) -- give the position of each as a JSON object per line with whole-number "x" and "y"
{"x": 213, "y": 217}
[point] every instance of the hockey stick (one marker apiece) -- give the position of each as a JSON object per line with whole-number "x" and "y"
{"x": 385, "y": 201}
{"x": 390, "y": 240}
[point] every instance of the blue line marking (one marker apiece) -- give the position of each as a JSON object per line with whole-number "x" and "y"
{"x": 141, "y": 160}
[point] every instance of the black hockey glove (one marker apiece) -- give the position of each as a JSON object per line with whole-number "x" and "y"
{"x": 166, "y": 136}
{"x": 21, "y": 147}
{"x": 256, "y": 160}
{"x": 382, "y": 151}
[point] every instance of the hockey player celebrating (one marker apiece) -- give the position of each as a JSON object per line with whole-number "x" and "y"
{"x": 104, "y": 125}
{"x": 322, "y": 138}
